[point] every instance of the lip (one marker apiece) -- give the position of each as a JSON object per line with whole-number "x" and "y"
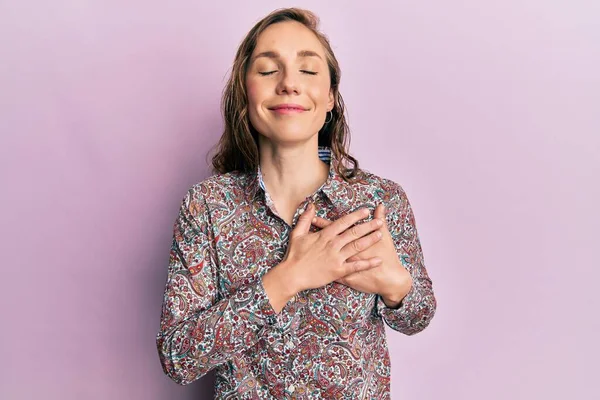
{"x": 287, "y": 108}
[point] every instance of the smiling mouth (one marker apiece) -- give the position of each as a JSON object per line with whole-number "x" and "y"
{"x": 288, "y": 109}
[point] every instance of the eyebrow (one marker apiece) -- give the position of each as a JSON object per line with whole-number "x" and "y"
{"x": 274, "y": 54}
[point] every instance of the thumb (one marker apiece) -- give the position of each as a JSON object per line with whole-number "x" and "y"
{"x": 380, "y": 212}
{"x": 304, "y": 222}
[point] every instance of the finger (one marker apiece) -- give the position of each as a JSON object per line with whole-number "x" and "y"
{"x": 344, "y": 222}
{"x": 344, "y": 280}
{"x": 321, "y": 222}
{"x": 358, "y": 231}
{"x": 354, "y": 258}
{"x": 358, "y": 245}
{"x": 303, "y": 225}
{"x": 361, "y": 265}
{"x": 380, "y": 211}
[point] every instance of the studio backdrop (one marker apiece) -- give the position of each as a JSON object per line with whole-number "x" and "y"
{"x": 487, "y": 114}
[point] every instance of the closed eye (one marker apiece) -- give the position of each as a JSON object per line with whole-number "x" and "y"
{"x": 302, "y": 70}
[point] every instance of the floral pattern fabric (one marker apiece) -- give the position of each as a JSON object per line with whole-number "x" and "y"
{"x": 326, "y": 343}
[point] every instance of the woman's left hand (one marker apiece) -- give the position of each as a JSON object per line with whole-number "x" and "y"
{"x": 390, "y": 280}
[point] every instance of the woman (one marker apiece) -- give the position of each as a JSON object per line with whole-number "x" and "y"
{"x": 285, "y": 263}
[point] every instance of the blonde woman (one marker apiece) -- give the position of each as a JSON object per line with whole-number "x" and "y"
{"x": 286, "y": 263}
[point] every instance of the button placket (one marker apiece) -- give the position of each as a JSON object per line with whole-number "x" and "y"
{"x": 289, "y": 347}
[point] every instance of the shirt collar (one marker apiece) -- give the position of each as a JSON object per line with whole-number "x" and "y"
{"x": 334, "y": 188}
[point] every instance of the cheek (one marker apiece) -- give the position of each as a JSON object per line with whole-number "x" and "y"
{"x": 252, "y": 93}
{"x": 255, "y": 99}
{"x": 257, "y": 93}
{"x": 320, "y": 91}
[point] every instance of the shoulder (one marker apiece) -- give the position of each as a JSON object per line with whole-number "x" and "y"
{"x": 392, "y": 195}
{"x": 218, "y": 184}
{"x": 223, "y": 189}
{"x": 384, "y": 188}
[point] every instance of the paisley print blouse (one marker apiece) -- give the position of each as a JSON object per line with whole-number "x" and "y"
{"x": 326, "y": 343}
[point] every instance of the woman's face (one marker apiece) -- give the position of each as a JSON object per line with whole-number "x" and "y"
{"x": 288, "y": 84}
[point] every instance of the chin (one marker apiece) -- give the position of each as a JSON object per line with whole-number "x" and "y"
{"x": 289, "y": 133}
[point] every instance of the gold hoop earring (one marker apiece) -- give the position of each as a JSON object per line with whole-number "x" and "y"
{"x": 328, "y": 121}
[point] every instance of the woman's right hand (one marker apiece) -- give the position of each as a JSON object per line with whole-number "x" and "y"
{"x": 314, "y": 259}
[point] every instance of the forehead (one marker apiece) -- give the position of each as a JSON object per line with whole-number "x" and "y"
{"x": 288, "y": 37}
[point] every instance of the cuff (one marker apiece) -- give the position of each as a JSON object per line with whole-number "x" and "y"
{"x": 383, "y": 310}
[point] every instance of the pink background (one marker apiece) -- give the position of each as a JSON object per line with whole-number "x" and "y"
{"x": 487, "y": 113}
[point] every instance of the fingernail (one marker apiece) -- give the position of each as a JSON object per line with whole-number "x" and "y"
{"x": 314, "y": 220}
{"x": 378, "y": 235}
{"x": 378, "y": 222}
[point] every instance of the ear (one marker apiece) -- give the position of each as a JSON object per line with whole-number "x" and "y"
{"x": 331, "y": 102}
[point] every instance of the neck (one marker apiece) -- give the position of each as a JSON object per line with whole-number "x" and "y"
{"x": 292, "y": 172}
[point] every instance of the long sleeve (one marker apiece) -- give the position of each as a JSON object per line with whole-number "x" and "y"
{"x": 199, "y": 330}
{"x": 418, "y": 307}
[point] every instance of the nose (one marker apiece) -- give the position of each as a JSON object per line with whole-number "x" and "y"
{"x": 287, "y": 84}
